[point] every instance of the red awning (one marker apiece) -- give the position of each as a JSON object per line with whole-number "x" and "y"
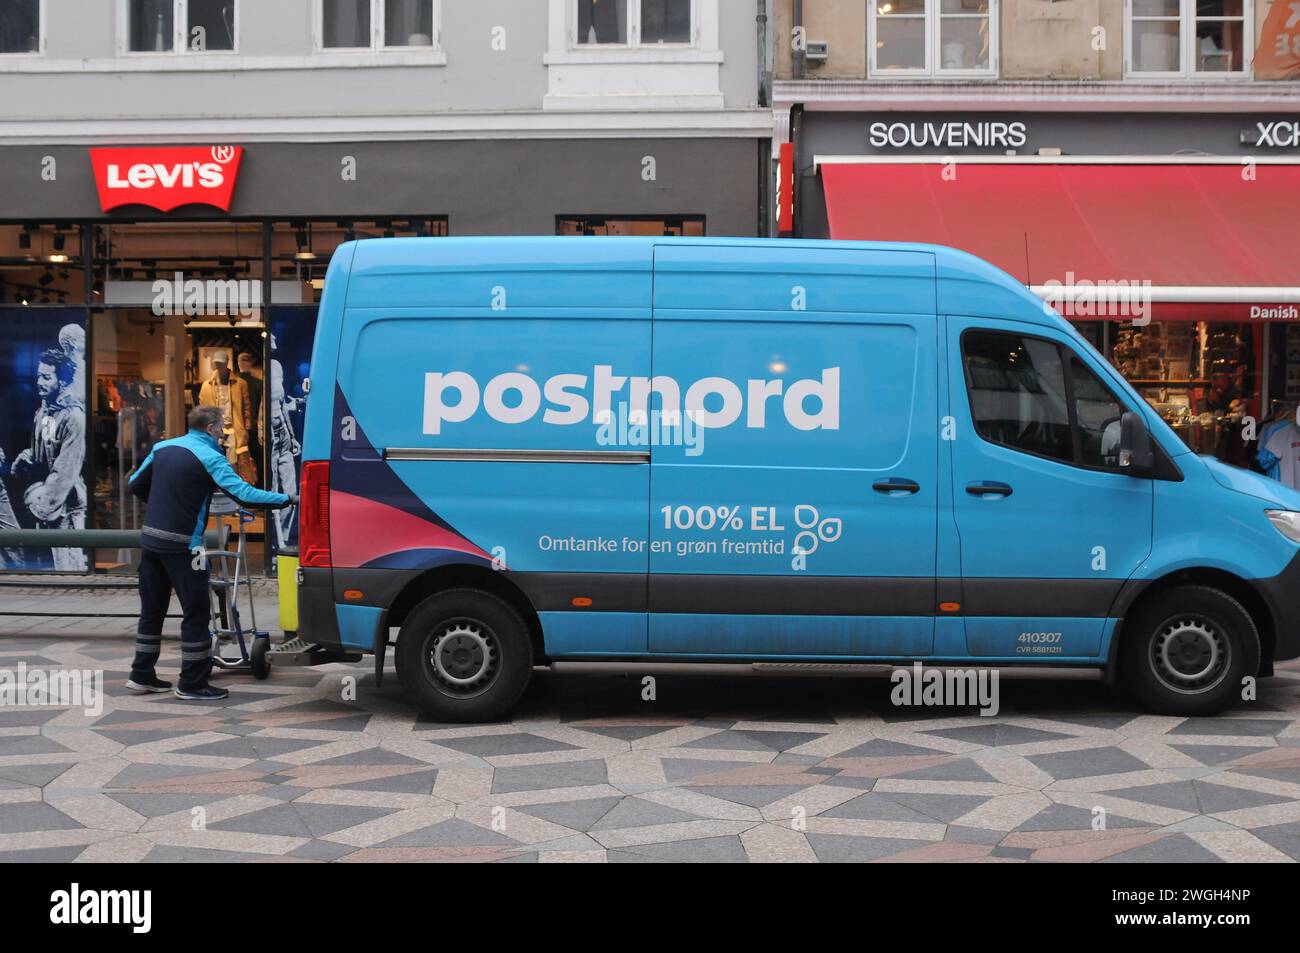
{"x": 1194, "y": 225}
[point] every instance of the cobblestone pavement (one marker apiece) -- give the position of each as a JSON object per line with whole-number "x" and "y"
{"x": 714, "y": 770}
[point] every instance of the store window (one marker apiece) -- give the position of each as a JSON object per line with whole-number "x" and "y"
{"x": 41, "y": 264}
{"x": 1189, "y": 38}
{"x": 190, "y": 26}
{"x": 1201, "y": 376}
{"x": 20, "y": 26}
{"x": 378, "y": 24}
{"x": 634, "y": 22}
{"x": 301, "y": 249}
{"x": 933, "y": 37}
{"x": 650, "y": 225}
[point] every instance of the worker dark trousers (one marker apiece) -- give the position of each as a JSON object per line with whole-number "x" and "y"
{"x": 160, "y": 574}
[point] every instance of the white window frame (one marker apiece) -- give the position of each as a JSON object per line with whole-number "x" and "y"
{"x": 377, "y": 44}
{"x": 180, "y": 33}
{"x": 1187, "y": 51}
{"x": 933, "y": 19}
{"x": 633, "y": 31}
{"x": 40, "y": 38}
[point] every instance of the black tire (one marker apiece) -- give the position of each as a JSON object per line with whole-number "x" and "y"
{"x": 259, "y": 661}
{"x": 484, "y": 656}
{"x": 1186, "y": 650}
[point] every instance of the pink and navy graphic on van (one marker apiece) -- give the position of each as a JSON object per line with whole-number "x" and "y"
{"x": 377, "y": 521}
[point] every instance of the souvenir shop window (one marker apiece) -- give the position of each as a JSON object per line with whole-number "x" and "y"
{"x": 1202, "y": 377}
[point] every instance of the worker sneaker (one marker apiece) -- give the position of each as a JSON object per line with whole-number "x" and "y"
{"x": 204, "y": 693}
{"x": 144, "y": 686}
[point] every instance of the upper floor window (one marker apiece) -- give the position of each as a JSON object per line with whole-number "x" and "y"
{"x": 934, "y": 37}
{"x": 634, "y": 22}
{"x": 1180, "y": 38}
{"x": 20, "y": 26}
{"x": 169, "y": 26}
{"x": 377, "y": 24}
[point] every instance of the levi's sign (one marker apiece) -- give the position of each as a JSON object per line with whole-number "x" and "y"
{"x": 166, "y": 178}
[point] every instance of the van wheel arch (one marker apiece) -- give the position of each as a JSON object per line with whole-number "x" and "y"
{"x": 1225, "y": 582}
{"x": 467, "y": 576}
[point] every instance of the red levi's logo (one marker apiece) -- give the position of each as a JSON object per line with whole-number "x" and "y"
{"x": 166, "y": 178}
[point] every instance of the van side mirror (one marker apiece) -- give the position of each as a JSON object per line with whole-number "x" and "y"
{"x": 1137, "y": 455}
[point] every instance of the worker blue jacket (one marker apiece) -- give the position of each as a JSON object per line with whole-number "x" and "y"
{"x": 176, "y": 482}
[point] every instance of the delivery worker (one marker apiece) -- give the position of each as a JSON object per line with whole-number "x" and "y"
{"x": 176, "y": 482}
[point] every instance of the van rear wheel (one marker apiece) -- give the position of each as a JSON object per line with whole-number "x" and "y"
{"x": 464, "y": 655}
{"x": 1186, "y": 651}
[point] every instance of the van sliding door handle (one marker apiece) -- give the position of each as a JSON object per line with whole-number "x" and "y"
{"x": 988, "y": 488}
{"x": 895, "y": 485}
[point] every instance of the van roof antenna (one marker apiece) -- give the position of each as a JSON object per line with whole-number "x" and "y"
{"x": 1028, "y": 281}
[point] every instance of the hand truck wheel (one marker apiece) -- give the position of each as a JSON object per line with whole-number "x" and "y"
{"x": 259, "y": 661}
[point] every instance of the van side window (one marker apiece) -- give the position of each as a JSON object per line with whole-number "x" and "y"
{"x": 1098, "y": 414}
{"x": 1018, "y": 393}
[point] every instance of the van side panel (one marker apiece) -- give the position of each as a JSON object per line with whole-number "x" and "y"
{"x": 459, "y": 380}
{"x": 817, "y": 371}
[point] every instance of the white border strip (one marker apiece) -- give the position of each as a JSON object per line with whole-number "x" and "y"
{"x": 820, "y": 160}
{"x": 1169, "y": 294}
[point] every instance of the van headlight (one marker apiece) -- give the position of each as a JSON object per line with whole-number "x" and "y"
{"x": 1287, "y": 523}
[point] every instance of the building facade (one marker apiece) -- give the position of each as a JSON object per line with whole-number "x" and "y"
{"x": 174, "y": 175}
{"x": 1137, "y": 162}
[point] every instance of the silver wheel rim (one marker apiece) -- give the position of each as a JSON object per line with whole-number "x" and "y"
{"x": 464, "y": 657}
{"x": 1190, "y": 655}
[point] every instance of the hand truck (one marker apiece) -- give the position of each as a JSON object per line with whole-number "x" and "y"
{"x": 229, "y": 573}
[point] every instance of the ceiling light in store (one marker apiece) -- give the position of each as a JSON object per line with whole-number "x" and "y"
{"x": 304, "y": 255}
{"x": 56, "y": 258}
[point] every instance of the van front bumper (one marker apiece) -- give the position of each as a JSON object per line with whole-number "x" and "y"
{"x": 1282, "y": 593}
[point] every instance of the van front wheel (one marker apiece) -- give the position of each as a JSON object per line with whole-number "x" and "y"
{"x": 1186, "y": 651}
{"x": 464, "y": 655}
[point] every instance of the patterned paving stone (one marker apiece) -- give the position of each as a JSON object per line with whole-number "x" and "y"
{"x": 1285, "y": 837}
{"x": 635, "y": 812}
{"x": 1064, "y": 817}
{"x": 1180, "y": 795}
{"x": 542, "y": 777}
{"x": 709, "y": 850}
{"x": 496, "y": 745}
{"x": 452, "y": 833}
{"x": 26, "y": 817}
{"x": 580, "y": 815}
{"x": 841, "y": 849}
{"x": 1088, "y": 762}
{"x": 1175, "y": 849}
{"x": 998, "y": 736}
{"x": 714, "y": 770}
{"x": 1254, "y": 727}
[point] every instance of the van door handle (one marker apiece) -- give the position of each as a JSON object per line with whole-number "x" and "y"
{"x": 896, "y": 485}
{"x": 988, "y": 488}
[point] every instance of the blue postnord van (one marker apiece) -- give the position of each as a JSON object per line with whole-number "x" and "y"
{"x": 682, "y": 455}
